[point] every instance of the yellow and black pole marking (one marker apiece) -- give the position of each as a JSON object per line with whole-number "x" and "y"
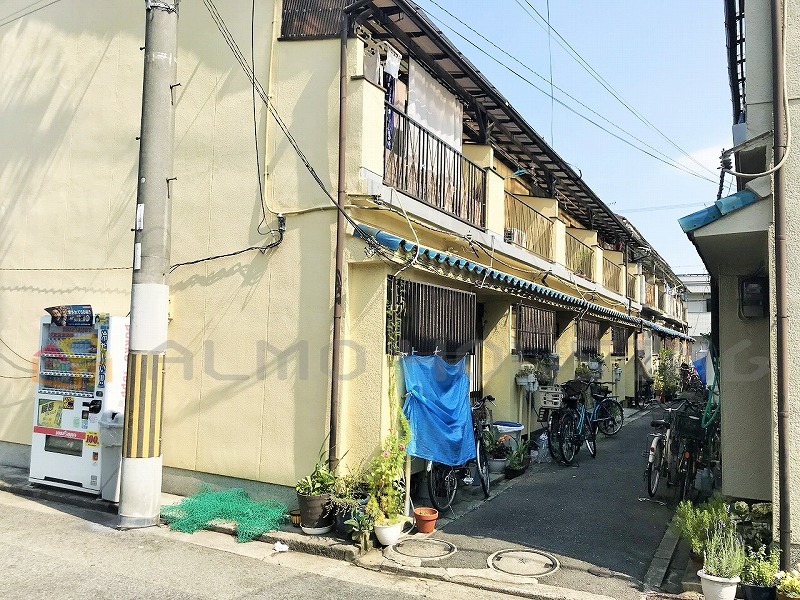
{"x": 142, "y": 433}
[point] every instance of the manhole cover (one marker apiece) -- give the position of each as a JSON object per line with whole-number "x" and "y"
{"x": 525, "y": 563}
{"x": 424, "y": 548}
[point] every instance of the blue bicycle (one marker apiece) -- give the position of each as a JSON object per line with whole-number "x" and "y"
{"x": 577, "y": 425}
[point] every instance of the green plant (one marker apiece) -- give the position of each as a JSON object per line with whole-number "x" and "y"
{"x": 527, "y": 369}
{"x": 582, "y": 371}
{"x": 320, "y": 481}
{"x": 760, "y": 567}
{"x": 667, "y": 373}
{"x": 694, "y": 523}
{"x": 349, "y": 492}
{"x": 788, "y": 582}
{"x": 517, "y": 458}
{"x": 361, "y": 525}
{"x": 495, "y": 443}
{"x": 600, "y": 359}
{"x": 724, "y": 552}
{"x": 385, "y": 472}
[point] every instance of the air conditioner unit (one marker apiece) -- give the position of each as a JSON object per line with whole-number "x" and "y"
{"x": 515, "y": 236}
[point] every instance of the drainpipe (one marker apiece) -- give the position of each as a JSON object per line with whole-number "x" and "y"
{"x": 341, "y": 201}
{"x": 779, "y": 193}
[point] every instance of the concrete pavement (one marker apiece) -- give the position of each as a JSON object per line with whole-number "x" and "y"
{"x": 589, "y": 516}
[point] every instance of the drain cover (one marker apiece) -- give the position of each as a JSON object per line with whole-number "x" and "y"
{"x": 525, "y": 563}
{"x": 424, "y": 548}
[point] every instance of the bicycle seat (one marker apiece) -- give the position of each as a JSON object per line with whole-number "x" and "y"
{"x": 659, "y": 423}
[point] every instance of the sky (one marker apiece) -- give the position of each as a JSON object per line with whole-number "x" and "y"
{"x": 665, "y": 60}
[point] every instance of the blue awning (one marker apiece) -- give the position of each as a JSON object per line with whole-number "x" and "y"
{"x": 500, "y": 279}
{"x": 716, "y": 211}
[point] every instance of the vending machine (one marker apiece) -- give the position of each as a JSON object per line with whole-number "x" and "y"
{"x": 81, "y": 386}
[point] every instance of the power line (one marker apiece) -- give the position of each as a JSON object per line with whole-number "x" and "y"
{"x": 659, "y": 207}
{"x": 22, "y": 16}
{"x": 597, "y": 77}
{"x": 666, "y": 160}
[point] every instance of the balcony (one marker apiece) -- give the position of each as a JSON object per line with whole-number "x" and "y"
{"x": 421, "y": 165}
{"x": 612, "y": 276}
{"x": 526, "y": 227}
{"x": 580, "y": 257}
{"x": 632, "y": 286}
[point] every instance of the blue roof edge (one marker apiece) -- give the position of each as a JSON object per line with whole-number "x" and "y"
{"x": 395, "y": 243}
{"x": 720, "y": 208}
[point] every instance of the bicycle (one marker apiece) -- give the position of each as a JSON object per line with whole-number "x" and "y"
{"x": 578, "y": 425}
{"x": 443, "y": 479}
{"x": 675, "y": 449}
{"x": 645, "y": 395}
{"x": 608, "y": 411}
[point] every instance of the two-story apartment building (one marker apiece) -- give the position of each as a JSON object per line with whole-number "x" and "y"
{"x": 737, "y": 238}
{"x": 499, "y": 250}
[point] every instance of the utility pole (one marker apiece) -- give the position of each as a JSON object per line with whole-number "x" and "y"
{"x": 140, "y": 496}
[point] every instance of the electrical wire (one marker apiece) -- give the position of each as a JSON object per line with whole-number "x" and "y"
{"x": 14, "y": 351}
{"x": 25, "y": 14}
{"x": 237, "y": 53}
{"x": 550, "y": 61}
{"x": 656, "y": 154}
{"x": 597, "y": 77}
{"x": 66, "y": 269}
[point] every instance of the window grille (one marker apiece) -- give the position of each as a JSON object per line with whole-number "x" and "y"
{"x": 588, "y": 338}
{"x": 536, "y": 330}
{"x": 619, "y": 341}
{"x": 431, "y": 318}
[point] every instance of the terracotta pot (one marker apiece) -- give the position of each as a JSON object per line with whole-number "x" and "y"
{"x": 426, "y": 518}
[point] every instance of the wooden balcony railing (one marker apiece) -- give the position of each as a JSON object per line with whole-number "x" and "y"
{"x": 631, "y": 286}
{"x": 612, "y": 274}
{"x": 528, "y": 228}
{"x": 419, "y": 164}
{"x": 580, "y": 258}
{"x": 650, "y": 294}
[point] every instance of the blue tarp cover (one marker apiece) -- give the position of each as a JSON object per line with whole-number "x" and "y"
{"x": 438, "y": 409}
{"x": 700, "y": 367}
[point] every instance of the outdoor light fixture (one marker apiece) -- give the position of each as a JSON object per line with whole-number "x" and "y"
{"x": 753, "y": 297}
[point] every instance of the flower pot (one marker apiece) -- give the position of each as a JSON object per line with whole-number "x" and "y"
{"x": 294, "y": 517}
{"x": 315, "y": 513}
{"x": 425, "y": 518}
{"x": 782, "y": 597}
{"x": 512, "y": 472}
{"x": 522, "y": 380}
{"x": 497, "y": 465}
{"x": 717, "y": 588}
{"x": 759, "y": 592}
{"x": 389, "y": 534}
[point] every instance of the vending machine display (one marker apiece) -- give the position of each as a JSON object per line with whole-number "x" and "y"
{"x": 82, "y": 370}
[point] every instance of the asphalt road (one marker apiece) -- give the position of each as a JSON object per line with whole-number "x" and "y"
{"x": 589, "y": 515}
{"x": 55, "y": 551}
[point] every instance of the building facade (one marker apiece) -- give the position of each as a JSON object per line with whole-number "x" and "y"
{"x": 500, "y": 251}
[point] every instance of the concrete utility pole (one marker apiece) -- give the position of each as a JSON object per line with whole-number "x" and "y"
{"x": 141, "y": 453}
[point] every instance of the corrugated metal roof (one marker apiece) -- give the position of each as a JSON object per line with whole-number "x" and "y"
{"x": 719, "y": 209}
{"x": 505, "y": 281}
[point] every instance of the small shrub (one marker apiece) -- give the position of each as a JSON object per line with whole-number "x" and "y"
{"x": 695, "y": 523}
{"x": 724, "y": 553}
{"x": 760, "y": 567}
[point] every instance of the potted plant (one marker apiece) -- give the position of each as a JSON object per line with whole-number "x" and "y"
{"x": 596, "y": 363}
{"x": 425, "y": 518}
{"x": 582, "y": 371}
{"x": 694, "y": 523}
{"x": 348, "y": 497}
{"x": 723, "y": 563}
{"x": 758, "y": 574}
{"x": 518, "y": 461}
{"x": 788, "y": 583}
{"x": 497, "y": 449}
{"x": 313, "y": 496}
{"x": 526, "y": 375}
{"x": 360, "y": 524}
{"x": 667, "y": 374}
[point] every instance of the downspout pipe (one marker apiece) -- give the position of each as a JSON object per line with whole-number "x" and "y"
{"x": 779, "y": 195}
{"x": 341, "y": 201}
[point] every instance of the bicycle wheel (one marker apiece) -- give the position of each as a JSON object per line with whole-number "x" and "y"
{"x": 654, "y": 469}
{"x": 553, "y": 442}
{"x": 442, "y": 483}
{"x": 591, "y": 438}
{"x": 610, "y": 416}
{"x": 687, "y": 482}
{"x": 567, "y": 434}
{"x": 483, "y": 467}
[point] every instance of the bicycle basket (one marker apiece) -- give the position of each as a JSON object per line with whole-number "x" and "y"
{"x": 689, "y": 426}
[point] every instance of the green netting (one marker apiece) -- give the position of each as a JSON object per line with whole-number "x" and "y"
{"x": 209, "y": 507}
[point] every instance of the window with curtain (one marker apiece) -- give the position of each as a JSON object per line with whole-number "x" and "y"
{"x": 588, "y": 337}
{"x": 619, "y": 341}
{"x": 536, "y": 331}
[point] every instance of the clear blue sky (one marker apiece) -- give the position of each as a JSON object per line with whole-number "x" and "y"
{"x": 665, "y": 59}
